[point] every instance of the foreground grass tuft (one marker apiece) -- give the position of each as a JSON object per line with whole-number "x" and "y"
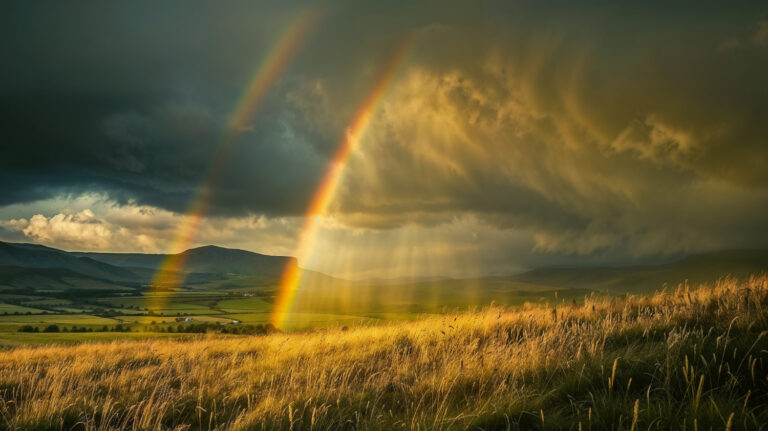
{"x": 691, "y": 359}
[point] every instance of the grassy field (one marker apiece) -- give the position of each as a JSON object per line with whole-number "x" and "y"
{"x": 692, "y": 359}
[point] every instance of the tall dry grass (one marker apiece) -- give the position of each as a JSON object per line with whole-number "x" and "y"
{"x": 690, "y": 359}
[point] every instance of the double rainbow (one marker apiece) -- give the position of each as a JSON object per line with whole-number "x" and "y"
{"x": 291, "y": 278}
{"x": 169, "y": 275}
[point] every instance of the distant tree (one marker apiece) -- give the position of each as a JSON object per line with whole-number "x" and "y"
{"x": 51, "y": 328}
{"x": 26, "y": 328}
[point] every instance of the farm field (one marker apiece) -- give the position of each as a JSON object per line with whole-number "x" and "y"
{"x": 139, "y": 314}
{"x": 61, "y": 299}
{"x": 321, "y": 306}
{"x": 143, "y": 314}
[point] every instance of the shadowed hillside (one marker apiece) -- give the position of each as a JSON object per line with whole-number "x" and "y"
{"x": 208, "y": 259}
{"x": 34, "y": 280}
{"x": 699, "y": 268}
{"x": 211, "y": 266}
{"x": 37, "y": 256}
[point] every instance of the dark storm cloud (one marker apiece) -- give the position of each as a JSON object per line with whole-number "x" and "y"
{"x": 133, "y": 99}
{"x": 595, "y": 129}
{"x": 598, "y": 126}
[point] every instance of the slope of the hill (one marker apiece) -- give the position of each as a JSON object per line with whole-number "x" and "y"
{"x": 50, "y": 280}
{"x": 207, "y": 259}
{"x": 700, "y": 268}
{"x": 690, "y": 359}
{"x": 37, "y": 256}
{"x": 203, "y": 268}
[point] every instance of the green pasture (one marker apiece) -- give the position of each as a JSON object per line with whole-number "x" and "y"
{"x": 12, "y": 308}
{"x": 245, "y": 305}
{"x": 61, "y": 319}
{"x": 157, "y": 320}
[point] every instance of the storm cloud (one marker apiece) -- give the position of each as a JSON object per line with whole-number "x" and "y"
{"x": 597, "y": 129}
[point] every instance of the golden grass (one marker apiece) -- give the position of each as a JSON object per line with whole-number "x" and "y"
{"x": 690, "y": 359}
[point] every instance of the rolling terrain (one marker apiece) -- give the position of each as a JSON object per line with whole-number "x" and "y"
{"x": 101, "y": 292}
{"x": 693, "y": 358}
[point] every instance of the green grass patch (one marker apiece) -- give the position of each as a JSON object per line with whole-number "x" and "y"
{"x": 12, "y": 308}
{"x": 249, "y": 304}
{"x": 64, "y": 319}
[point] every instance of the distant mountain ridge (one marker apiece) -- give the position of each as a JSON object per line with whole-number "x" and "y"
{"x": 126, "y": 260}
{"x": 213, "y": 267}
{"x": 54, "y": 279}
{"x": 26, "y": 265}
{"x": 37, "y": 256}
{"x": 696, "y": 268}
{"x": 208, "y": 259}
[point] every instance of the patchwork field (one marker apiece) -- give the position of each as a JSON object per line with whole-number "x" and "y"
{"x": 324, "y": 305}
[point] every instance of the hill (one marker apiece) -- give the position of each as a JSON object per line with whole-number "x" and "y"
{"x": 37, "y": 256}
{"x": 207, "y": 264}
{"x": 537, "y": 285}
{"x": 218, "y": 269}
{"x": 699, "y": 268}
{"x": 51, "y": 280}
{"x": 207, "y": 259}
{"x": 126, "y": 260}
{"x": 693, "y": 359}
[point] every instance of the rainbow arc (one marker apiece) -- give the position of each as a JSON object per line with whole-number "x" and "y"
{"x": 326, "y": 189}
{"x": 170, "y": 274}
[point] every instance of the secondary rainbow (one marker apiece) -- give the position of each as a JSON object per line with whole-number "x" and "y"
{"x": 291, "y": 278}
{"x": 169, "y": 275}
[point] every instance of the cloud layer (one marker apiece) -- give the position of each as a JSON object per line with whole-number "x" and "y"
{"x": 590, "y": 132}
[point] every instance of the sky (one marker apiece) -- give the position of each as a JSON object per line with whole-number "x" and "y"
{"x": 513, "y": 135}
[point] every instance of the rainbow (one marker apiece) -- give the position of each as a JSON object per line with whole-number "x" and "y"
{"x": 169, "y": 275}
{"x": 291, "y": 278}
